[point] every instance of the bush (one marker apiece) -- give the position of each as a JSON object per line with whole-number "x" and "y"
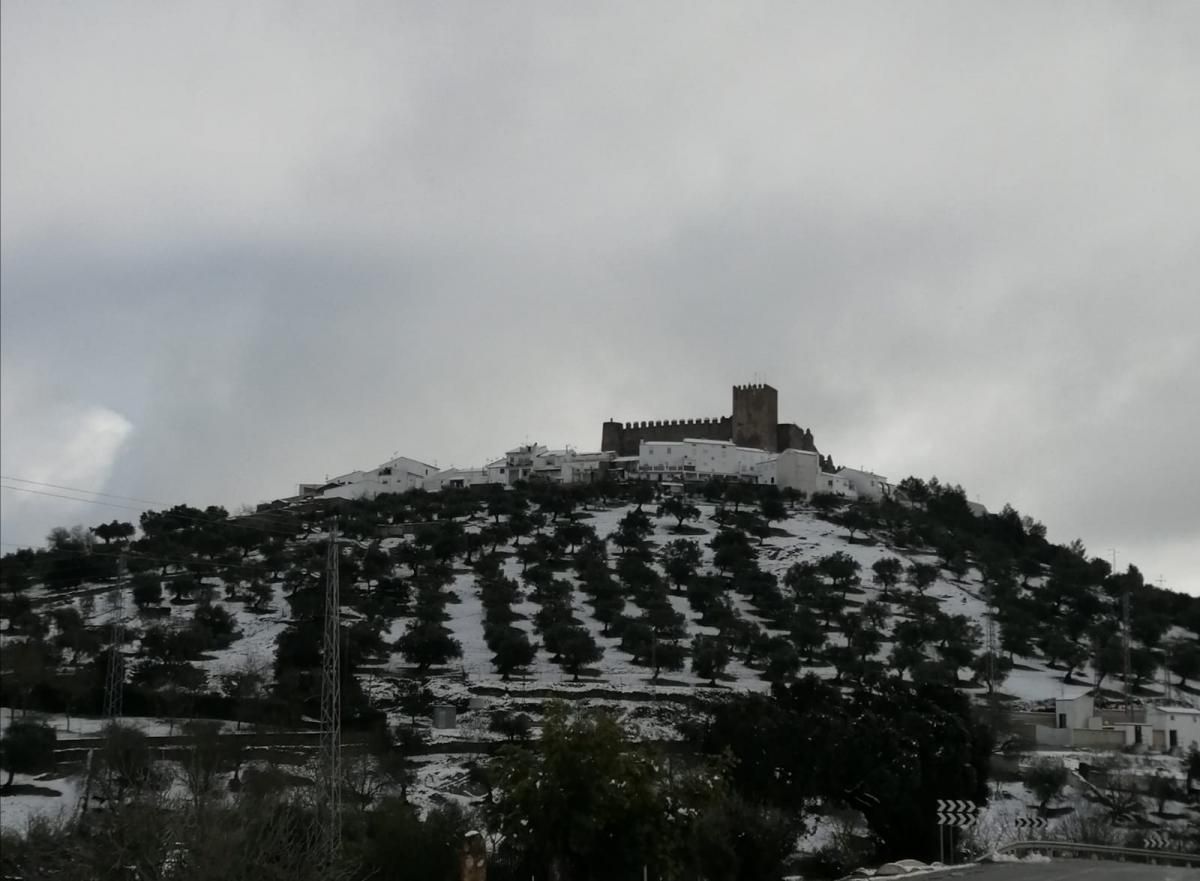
{"x": 513, "y": 726}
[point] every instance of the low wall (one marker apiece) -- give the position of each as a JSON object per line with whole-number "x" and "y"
{"x": 1079, "y": 738}
{"x": 1046, "y": 736}
{"x": 1088, "y": 738}
{"x": 1113, "y": 717}
{"x": 1023, "y": 718}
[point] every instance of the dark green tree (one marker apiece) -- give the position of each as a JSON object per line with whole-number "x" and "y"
{"x": 886, "y": 574}
{"x": 512, "y": 652}
{"x": 1046, "y": 779}
{"x": 710, "y": 657}
{"x": 26, "y": 748}
{"x": 576, "y": 648}
{"x": 114, "y": 531}
{"x": 681, "y": 559}
{"x": 680, "y": 508}
{"x": 1183, "y": 659}
{"x": 428, "y": 643}
{"x": 841, "y": 569}
{"x": 922, "y": 576}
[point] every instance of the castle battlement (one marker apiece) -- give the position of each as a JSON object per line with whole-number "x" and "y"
{"x": 669, "y": 423}
{"x": 754, "y": 424}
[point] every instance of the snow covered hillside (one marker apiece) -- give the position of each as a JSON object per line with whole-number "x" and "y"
{"x": 802, "y": 536}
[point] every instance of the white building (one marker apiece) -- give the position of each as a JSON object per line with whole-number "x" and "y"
{"x": 866, "y": 484}
{"x": 548, "y": 465}
{"x": 518, "y": 462}
{"x": 496, "y": 471}
{"x": 394, "y": 476}
{"x": 536, "y": 462}
{"x": 835, "y": 484}
{"x": 1077, "y": 711}
{"x": 587, "y": 467}
{"x": 697, "y": 459}
{"x": 1180, "y": 725}
{"x": 455, "y": 478}
{"x": 791, "y": 469}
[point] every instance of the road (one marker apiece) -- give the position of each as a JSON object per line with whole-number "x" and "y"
{"x": 1073, "y": 870}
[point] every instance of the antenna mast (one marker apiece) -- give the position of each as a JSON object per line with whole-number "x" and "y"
{"x": 331, "y": 705}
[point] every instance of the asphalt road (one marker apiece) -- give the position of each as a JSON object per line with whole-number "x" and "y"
{"x": 1073, "y": 870}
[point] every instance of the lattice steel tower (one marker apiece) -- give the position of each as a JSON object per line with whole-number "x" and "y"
{"x": 331, "y": 705}
{"x": 114, "y": 683}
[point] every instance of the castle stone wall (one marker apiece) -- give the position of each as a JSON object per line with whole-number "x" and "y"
{"x": 625, "y": 438}
{"x": 793, "y": 437}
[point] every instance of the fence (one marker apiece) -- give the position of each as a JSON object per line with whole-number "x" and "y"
{"x": 1102, "y": 852}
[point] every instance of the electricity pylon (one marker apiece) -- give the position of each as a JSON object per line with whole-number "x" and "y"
{"x": 331, "y": 705}
{"x": 114, "y": 683}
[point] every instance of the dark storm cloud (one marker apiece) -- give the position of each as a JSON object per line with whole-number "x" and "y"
{"x": 245, "y": 247}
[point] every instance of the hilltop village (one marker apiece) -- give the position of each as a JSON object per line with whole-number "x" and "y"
{"x": 750, "y": 446}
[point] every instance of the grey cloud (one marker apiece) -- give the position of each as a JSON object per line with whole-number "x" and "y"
{"x": 959, "y": 238}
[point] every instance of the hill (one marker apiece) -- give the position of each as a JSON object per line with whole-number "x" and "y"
{"x": 603, "y": 595}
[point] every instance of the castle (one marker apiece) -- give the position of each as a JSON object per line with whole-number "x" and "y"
{"x": 754, "y": 423}
{"x": 751, "y": 445}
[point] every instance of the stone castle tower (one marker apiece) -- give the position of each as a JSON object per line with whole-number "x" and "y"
{"x": 756, "y": 417}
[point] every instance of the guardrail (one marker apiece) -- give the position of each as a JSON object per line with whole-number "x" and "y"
{"x": 1104, "y": 851}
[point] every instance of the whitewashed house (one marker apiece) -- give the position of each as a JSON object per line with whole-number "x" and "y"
{"x": 1180, "y": 726}
{"x": 835, "y": 484}
{"x": 587, "y": 467}
{"x": 698, "y": 459}
{"x": 394, "y": 476}
{"x": 518, "y": 462}
{"x": 866, "y": 484}
{"x": 496, "y": 471}
{"x": 455, "y": 478}
{"x": 796, "y": 469}
{"x": 548, "y": 465}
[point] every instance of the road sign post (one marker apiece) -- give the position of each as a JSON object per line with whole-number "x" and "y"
{"x": 1157, "y": 841}
{"x": 954, "y": 813}
{"x": 1031, "y": 822}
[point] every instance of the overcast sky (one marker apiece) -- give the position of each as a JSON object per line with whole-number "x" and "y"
{"x": 249, "y": 245}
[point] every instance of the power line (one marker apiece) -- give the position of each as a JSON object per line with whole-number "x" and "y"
{"x": 24, "y": 489}
{"x": 92, "y": 492}
{"x": 76, "y": 489}
{"x": 167, "y": 511}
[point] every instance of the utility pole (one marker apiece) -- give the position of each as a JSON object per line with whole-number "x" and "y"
{"x": 114, "y": 684}
{"x": 991, "y": 639}
{"x": 1128, "y": 666}
{"x": 331, "y": 705}
{"x": 1125, "y": 638}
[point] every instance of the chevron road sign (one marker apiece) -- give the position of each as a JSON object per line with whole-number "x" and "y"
{"x": 1158, "y": 841}
{"x": 1031, "y": 822}
{"x": 956, "y": 812}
